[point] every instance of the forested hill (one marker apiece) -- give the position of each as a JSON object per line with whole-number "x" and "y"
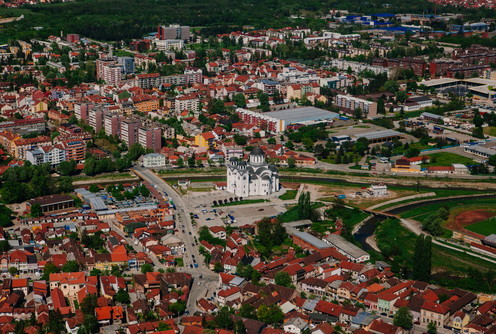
{"x": 114, "y": 20}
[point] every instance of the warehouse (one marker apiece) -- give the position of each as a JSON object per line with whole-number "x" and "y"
{"x": 346, "y": 248}
{"x": 53, "y": 203}
{"x": 278, "y": 121}
{"x": 381, "y": 136}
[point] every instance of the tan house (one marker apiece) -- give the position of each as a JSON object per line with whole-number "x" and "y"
{"x": 433, "y": 312}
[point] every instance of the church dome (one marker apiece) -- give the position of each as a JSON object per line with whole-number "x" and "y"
{"x": 257, "y": 157}
{"x": 257, "y": 151}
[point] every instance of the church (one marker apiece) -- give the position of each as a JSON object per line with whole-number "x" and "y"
{"x": 252, "y": 178}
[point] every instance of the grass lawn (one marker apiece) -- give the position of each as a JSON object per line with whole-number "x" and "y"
{"x": 289, "y": 194}
{"x": 104, "y": 143}
{"x": 485, "y": 227}
{"x": 490, "y": 130}
{"x": 446, "y": 159}
{"x": 292, "y": 214}
{"x": 245, "y": 201}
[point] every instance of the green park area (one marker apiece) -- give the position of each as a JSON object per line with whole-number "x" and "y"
{"x": 485, "y": 227}
{"x": 447, "y": 158}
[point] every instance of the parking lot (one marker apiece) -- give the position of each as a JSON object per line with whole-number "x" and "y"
{"x": 244, "y": 214}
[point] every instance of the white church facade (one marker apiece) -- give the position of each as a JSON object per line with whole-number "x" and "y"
{"x": 252, "y": 178}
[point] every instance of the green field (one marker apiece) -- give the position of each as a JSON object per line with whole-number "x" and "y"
{"x": 490, "y": 130}
{"x": 446, "y": 159}
{"x": 289, "y": 194}
{"x": 485, "y": 227}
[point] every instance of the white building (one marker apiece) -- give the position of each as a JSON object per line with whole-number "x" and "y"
{"x": 53, "y": 155}
{"x": 169, "y": 44}
{"x": 252, "y": 178}
{"x": 153, "y": 160}
{"x": 378, "y": 190}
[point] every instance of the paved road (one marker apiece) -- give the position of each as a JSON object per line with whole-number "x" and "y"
{"x": 204, "y": 279}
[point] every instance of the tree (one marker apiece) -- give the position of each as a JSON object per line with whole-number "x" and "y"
{"x": 380, "y": 106}
{"x": 13, "y": 271}
{"x": 90, "y": 167}
{"x": 70, "y": 266}
{"x": 50, "y": 268}
{"x": 122, "y": 296}
{"x": 162, "y": 326}
{"x": 36, "y": 210}
{"x": 478, "y": 121}
{"x": 270, "y": 314}
{"x": 67, "y": 168}
{"x": 357, "y": 113}
{"x": 94, "y": 188}
{"x": 240, "y": 100}
{"x": 271, "y": 141}
{"x": 218, "y": 267}
{"x": 282, "y": 278}
{"x": 180, "y": 162}
{"x": 304, "y": 206}
{"x": 135, "y": 151}
{"x": 412, "y": 152}
{"x": 431, "y": 328}
{"x": 361, "y": 145}
{"x": 478, "y": 132}
{"x": 403, "y": 318}
{"x": 492, "y": 160}
{"x": 177, "y": 308}
{"x": 291, "y": 162}
{"x": 239, "y": 327}
{"x": 4, "y": 246}
{"x": 89, "y": 304}
{"x": 223, "y": 318}
{"x": 422, "y": 258}
{"x": 240, "y": 140}
{"x": 248, "y": 311}
{"x": 146, "y": 268}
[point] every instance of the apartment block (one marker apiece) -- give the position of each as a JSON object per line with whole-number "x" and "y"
{"x": 348, "y": 104}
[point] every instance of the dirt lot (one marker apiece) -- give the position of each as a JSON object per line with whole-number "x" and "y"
{"x": 466, "y": 218}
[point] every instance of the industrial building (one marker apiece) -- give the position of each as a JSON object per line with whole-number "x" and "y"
{"x": 380, "y": 136}
{"x": 346, "y": 248}
{"x": 278, "y": 121}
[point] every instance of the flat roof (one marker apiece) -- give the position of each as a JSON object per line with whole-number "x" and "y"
{"x": 379, "y": 134}
{"x": 431, "y": 115}
{"x": 436, "y": 82}
{"x": 346, "y": 246}
{"x": 50, "y": 199}
{"x": 310, "y": 239}
{"x": 482, "y": 89}
{"x": 481, "y": 81}
{"x": 481, "y": 149}
{"x": 303, "y": 114}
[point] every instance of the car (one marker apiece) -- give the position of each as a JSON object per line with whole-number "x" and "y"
{"x": 260, "y": 209}
{"x": 209, "y": 219}
{"x": 192, "y": 245}
{"x": 191, "y": 266}
{"x": 193, "y": 256}
{"x": 183, "y": 231}
{"x": 189, "y": 233}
